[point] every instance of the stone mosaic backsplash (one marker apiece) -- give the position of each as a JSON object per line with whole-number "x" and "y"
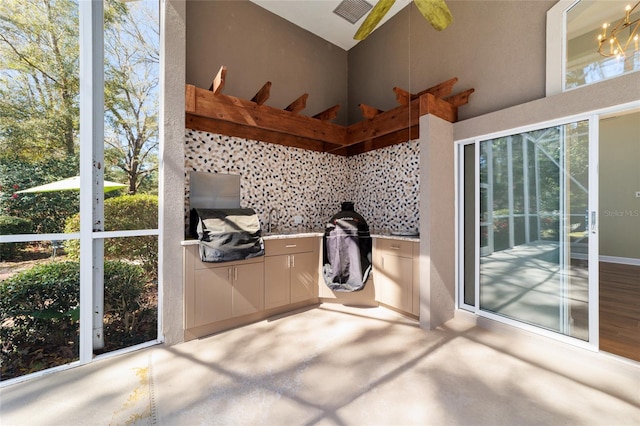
{"x": 383, "y": 184}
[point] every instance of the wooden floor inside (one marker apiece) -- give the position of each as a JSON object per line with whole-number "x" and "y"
{"x": 620, "y": 309}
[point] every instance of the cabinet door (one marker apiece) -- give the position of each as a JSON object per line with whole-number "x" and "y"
{"x": 248, "y": 289}
{"x": 212, "y": 295}
{"x": 394, "y": 282}
{"x": 276, "y": 281}
{"x": 304, "y": 276}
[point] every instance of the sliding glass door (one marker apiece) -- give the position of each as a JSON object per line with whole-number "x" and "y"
{"x": 528, "y": 214}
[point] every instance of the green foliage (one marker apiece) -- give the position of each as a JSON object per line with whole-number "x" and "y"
{"x": 126, "y": 212}
{"x": 39, "y": 79}
{"x": 47, "y": 211}
{"x": 39, "y": 318}
{"x": 39, "y": 314}
{"x": 10, "y": 225}
{"x": 40, "y": 90}
{"x": 131, "y": 315}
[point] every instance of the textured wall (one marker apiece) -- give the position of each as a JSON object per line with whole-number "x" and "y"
{"x": 383, "y": 184}
{"x": 172, "y": 169}
{"x": 496, "y": 47}
{"x": 258, "y": 46}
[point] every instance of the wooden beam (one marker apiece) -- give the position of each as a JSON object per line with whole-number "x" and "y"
{"x": 227, "y": 128}
{"x": 328, "y": 114}
{"x": 461, "y": 98}
{"x": 369, "y": 112}
{"x": 298, "y": 105}
{"x": 440, "y": 90}
{"x": 429, "y": 104}
{"x": 384, "y": 123}
{"x": 189, "y": 98}
{"x": 391, "y": 139}
{"x": 263, "y": 117}
{"x": 219, "y": 80}
{"x": 263, "y": 94}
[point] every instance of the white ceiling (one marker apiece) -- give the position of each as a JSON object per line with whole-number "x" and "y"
{"x": 317, "y": 17}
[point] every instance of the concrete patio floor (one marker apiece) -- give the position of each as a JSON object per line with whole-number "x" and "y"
{"x": 337, "y": 365}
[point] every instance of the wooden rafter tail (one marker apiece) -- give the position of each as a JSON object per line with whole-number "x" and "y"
{"x": 263, "y": 94}
{"x": 369, "y": 112}
{"x": 218, "y": 80}
{"x": 328, "y": 114}
{"x": 461, "y": 98}
{"x": 402, "y": 96}
{"x": 298, "y": 105}
{"x": 439, "y": 90}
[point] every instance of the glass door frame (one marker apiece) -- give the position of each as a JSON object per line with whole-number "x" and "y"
{"x": 593, "y": 257}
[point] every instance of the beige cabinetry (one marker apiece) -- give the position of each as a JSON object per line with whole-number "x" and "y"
{"x": 393, "y": 274}
{"x": 290, "y": 271}
{"x": 217, "y": 293}
{"x": 223, "y": 292}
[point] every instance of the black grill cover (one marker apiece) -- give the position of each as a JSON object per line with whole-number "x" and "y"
{"x": 228, "y": 234}
{"x": 346, "y": 251}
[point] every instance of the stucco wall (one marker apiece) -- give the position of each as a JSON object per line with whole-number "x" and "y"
{"x": 495, "y": 47}
{"x": 257, "y": 46}
{"x": 171, "y": 190}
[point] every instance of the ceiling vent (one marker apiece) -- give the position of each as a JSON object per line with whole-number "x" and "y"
{"x": 352, "y": 10}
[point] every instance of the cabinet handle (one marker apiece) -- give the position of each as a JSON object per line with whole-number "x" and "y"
{"x": 382, "y": 259}
{"x": 235, "y": 274}
{"x": 395, "y": 247}
{"x": 293, "y": 261}
{"x": 291, "y": 246}
{"x": 288, "y": 261}
{"x": 229, "y": 273}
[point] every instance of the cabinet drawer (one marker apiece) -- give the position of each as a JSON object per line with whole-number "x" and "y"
{"x": 288, "y": 245}
{"x": 395, "y": 247}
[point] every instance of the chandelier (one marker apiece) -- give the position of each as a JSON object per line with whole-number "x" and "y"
{"x": 614, "y": 38}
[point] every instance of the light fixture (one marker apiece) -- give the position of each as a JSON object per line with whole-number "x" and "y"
{"x": 613, "y": 39}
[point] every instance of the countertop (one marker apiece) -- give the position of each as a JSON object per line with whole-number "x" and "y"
{"x": 314, "y": 233}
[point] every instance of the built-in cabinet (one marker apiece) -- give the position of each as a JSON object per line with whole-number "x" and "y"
{"x": 290, "y": 271}
{"x": 223, "y": 292}
{"x": 395, "y": 274}
{"x": 219, "y": 296}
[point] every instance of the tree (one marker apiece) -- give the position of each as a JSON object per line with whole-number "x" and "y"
{"x": 39, "y": 84}
{"x": 38, "y": 78}
{"x": 131, "y": 95}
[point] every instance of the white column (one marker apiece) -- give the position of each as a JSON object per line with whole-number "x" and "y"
{"x": 171, "y": 170}
{"x": 91, "y": 176}
{"x": 437, "y": 221}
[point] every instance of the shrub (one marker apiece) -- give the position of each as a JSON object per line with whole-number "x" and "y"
{"x": 39, "y": 314}
{"x": 39, "y": 318}
{"x": 121, "y": 213}
{"x": 10, "y": 225}
{"x": 130, "y": 315}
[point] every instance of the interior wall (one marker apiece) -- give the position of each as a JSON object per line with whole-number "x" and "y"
{"x": 257, "y": 46}
{"x": 495, "y": 47}
{"x": 619, "y": 174}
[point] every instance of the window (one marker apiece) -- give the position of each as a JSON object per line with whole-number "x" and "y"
{"x": 573, "y": 28}
{"x": 78, "y": 196}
